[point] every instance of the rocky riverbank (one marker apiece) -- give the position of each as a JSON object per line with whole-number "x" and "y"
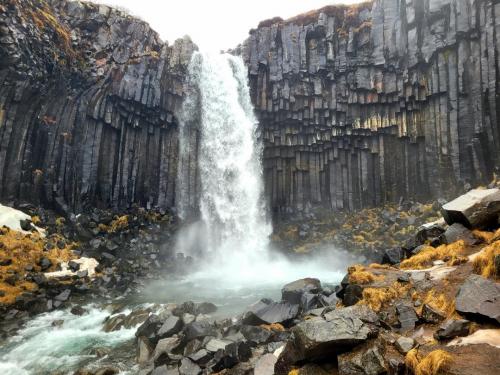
{"x": 434, "y": 310}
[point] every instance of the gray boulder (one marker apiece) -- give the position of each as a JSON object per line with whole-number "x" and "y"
{"x": 364, "y": 361}
{"x": 267, "y": 311}
{"x": 479, "y": 297}
{"x": 318, "y": 338}
{"x": 170, "y": 326}
{"x": 457, "y": 232}
{"x": 292, "y": 292}
{"x": 476, "y": 209}
{"x": 452, "y": 328}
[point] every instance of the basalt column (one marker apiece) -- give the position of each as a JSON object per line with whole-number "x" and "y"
{"x": 361, "y": 105}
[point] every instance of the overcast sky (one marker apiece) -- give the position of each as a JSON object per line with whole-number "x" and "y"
{"x": 214, "y": 24}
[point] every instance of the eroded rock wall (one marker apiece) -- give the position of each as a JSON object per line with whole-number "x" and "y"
{"x": 366, "y": 104}
{"x": 88, "y": 96}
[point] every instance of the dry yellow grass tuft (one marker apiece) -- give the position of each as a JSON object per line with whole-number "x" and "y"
{"x": 484, "y": 263}
{"x": 376, "y": 298}
{"x": 381, "y": 266}
{"x": 23, "y": 250}
{"x": 439, "y": 302}
{"x": 119, "y": 223}
{"x": 432, "y": 364}
{"x": 359, "y": 275}
{"x": 483, "y": 235}
{"x": 273, "y": 327}
{"x": 295, "y": 371}
{"x": 453, "y": 254}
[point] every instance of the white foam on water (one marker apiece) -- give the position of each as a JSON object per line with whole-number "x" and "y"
{"x": 40, "y": 348}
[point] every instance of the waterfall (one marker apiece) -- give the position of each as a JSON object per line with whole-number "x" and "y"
{"x": 220, "y": 172}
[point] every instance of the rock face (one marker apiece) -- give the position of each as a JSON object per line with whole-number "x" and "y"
{"x": 365, "y": 104}
{"x": 88, "y": 96}
{"x": 358, "y": 105}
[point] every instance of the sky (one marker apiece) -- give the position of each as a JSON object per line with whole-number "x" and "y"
{"x": 214, "y": 24}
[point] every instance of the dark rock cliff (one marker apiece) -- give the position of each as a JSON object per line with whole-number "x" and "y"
{"x": 366, "y": 104}
{"x": 358, "y": 105}
{"x": 88, "y": 97}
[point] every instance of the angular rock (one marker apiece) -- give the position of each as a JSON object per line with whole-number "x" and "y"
{"x": 267, "y": 312}
{"x": 292, "y": 292}
{"x": 188, "y": 367}
{"x": 317, "y": 338}
{"x": 198, "y": 329}
{"x": 452, "y": 328}
{"x": 432, "y": 315}
{"x": 479, "y": 298}
{"x": 457, "y": 232}
{"x": 404, "y": 344}
{"x": 163, "y": 350}
{"x": 265, "y": 365}
{"x": 255, "y": 334}
{"x": 364, "y": 361}
{"x": 406, "y": 316}
{"x": 170, "y": 326}
{"x": 475, "y": 209}
{"x": 393, "y": 256}
{"x": 353, "y": 293}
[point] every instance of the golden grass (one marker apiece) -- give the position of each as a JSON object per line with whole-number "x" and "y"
{"x": 381, "y": 266}
{"x": 359, "y": 275}
{"x": 295, "y": 371}
{"x": 277, "y": 327}
{"x": 437, "y": 301}
{"x": 376, "y": 298}
{"x": 453, "y": 254}
{"x": 24, "y": 250}
{"x": 484, "y": 263}
{"x": 432, "y": 364}
{"x": 119, "y": 223}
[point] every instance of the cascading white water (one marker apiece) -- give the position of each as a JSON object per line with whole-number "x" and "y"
{"x": 230, "y": 174}
{"x": 221, "y": 182}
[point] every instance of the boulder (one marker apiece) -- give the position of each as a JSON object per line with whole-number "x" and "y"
{"x": 452, "y": 328}
{"x": 393, "y": 256}
{"x": 353, "y": 293}
{"x": 406, "y": 316}
{"x": 457, "y": 232}
{"x": 292, "y": 292}
{"x": 432, "y": 315}
{"x": 265, "y": 365}
{"x": 201, "y": 357}
{"x": 163, "y": 350}
{"x": 188, "y": 367}
{"x": 170, "y": 326}
{"x": 144, "y": 350}
{"x": 205, "y": 308}
{"x": 198, "y": 329}
{"x": 479, "y": 297}
{"x": 476, "y": 209}
{"x": 149, "y": 328}
{"x": 317, "y": 338}
{"x": 257, "y": 335}
{"x": 216, "y": 344}
{"x": 404, "y": 344}
{"x": 233, "y": 354}
{"x": 363, "y": 361}
{"x": 267, "y": 312}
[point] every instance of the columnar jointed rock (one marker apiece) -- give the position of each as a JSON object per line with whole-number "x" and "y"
{"x": 88, "y": 96}
{"x": 365, "y": 104}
